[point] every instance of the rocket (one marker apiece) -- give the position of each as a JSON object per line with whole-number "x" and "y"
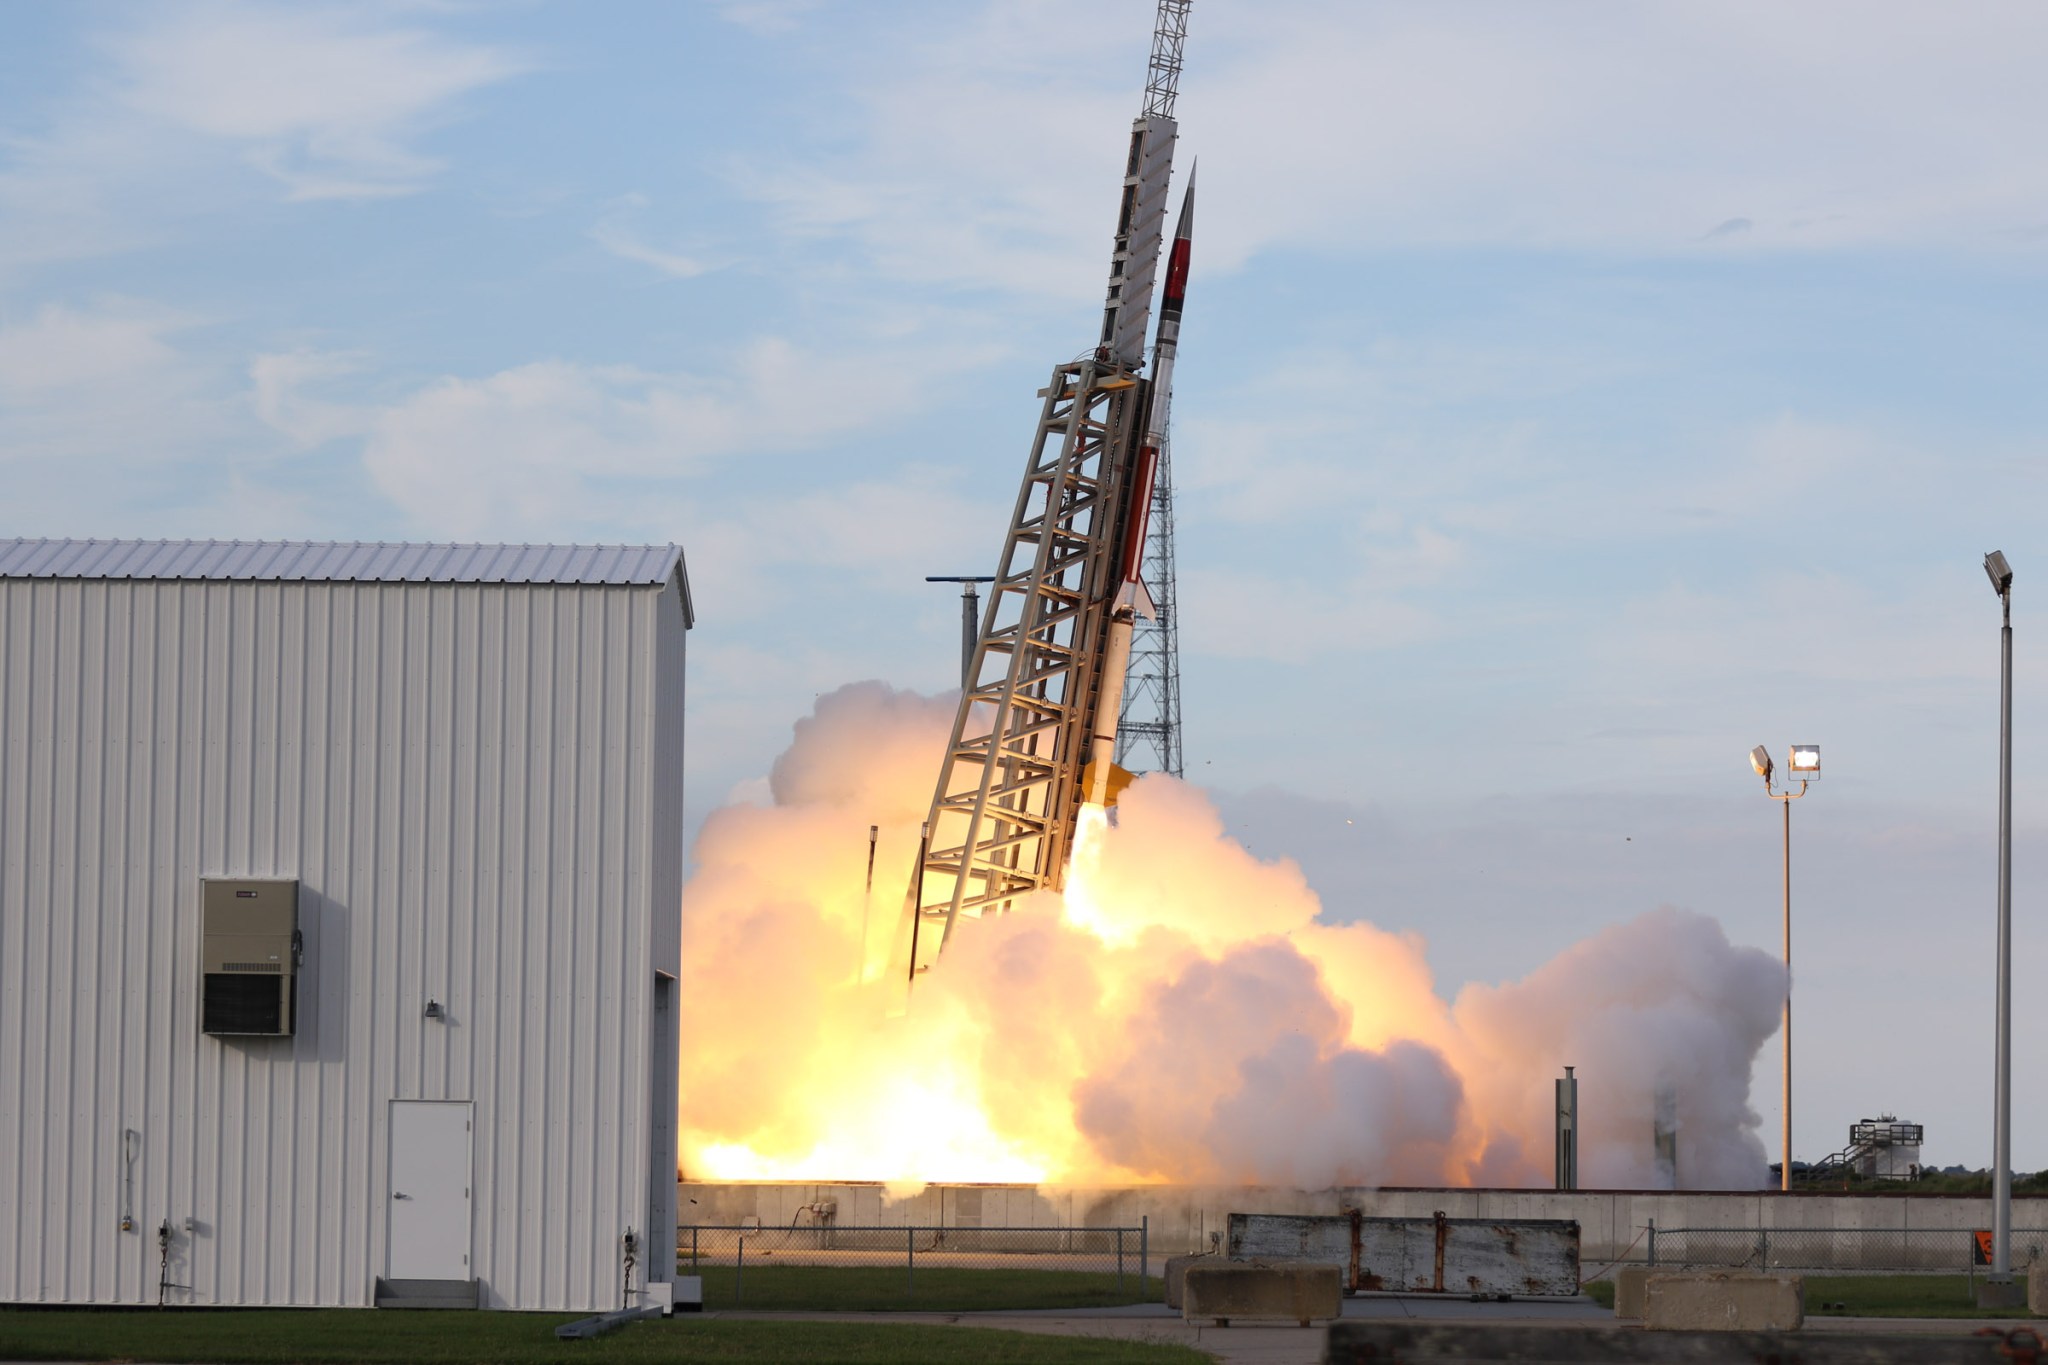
{"x": 1102, "y": 779}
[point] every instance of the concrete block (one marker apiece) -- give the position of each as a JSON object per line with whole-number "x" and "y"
{"x": 1630, "y": 1282}
{"x": 2004, "y": 1293}
{"x": 2037, "y": 1289}
{"x": 1724, "y": 1301}
{"x": 1176, "y": 1273}
{"x": 1285, "y": 1291}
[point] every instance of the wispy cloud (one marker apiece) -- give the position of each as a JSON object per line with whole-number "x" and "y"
{"x": 328, "y": 101}
{"x": 615, "y": 232}
{"x": 81, "y": 385}
{"x": 285, "y": 391}
{"x": 769, "y": 18}
{"x": 553, "y": 444}
{"x": 157, "y": 125}
{"x": 1340, "y": 128}
{"x": 59, "y": 351}
{"x": 112, "y": 419}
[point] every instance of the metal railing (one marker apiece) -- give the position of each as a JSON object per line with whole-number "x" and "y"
{"x": 1844, "y": 1249}
{"x": 832, "y": 1265}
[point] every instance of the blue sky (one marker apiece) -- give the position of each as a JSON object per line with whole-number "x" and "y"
{"x": 1573, "y": 394}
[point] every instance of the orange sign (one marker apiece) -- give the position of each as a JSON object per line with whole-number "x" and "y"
{"x": 1980, "y": 1247}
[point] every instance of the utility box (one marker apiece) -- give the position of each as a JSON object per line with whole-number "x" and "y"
{"x": 249, "y": 956}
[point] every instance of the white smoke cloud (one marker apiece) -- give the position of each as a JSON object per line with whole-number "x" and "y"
{"x": 1663, "y": 1000}
{"x": 1182, "y": 1013}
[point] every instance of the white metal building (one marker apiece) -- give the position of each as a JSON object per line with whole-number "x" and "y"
{"x": 338, "y": 921}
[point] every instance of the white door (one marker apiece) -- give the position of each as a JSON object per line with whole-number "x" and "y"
{"x": 429, "y": 1224}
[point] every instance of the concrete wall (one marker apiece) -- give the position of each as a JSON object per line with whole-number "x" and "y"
{"x": 1181, "y": 1217}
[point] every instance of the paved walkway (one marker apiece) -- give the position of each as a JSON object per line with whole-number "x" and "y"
{"x": 1265, "y": 1345}
{"x": 1239, "y": 1345}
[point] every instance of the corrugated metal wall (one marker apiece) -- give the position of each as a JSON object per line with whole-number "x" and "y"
{"x": 479, "y": 789}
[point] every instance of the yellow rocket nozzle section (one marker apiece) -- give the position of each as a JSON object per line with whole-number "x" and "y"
{"x": 1119, "y": 778}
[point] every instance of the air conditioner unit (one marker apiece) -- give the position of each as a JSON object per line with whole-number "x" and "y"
{"x": 249, "y": 956}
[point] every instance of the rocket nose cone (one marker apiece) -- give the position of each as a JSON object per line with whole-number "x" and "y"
{"x": 1186, "y": 226}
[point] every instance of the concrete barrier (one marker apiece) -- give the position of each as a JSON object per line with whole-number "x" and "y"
{"x": 1630, "y": 1283}
{"x": 1723, "y": 1301}
{"x": 2037, "y": 1290}
{"x": 1286, "y": 1291}
{"x": 1176, "y": 1274}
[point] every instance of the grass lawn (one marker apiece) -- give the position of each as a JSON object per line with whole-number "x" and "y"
{"x": 1875, "y": 1296}
{"x": 940, "y": 1289}
{"x": 282, "y": 1336}
{"x": 1900, "y": 1296}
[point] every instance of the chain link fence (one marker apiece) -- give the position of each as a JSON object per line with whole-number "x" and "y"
{"x": 1844, "y": 1249}
{"x": 828, "y": 1265}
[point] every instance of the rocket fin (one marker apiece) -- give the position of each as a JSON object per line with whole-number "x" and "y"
{"x": 1134, "y": 596}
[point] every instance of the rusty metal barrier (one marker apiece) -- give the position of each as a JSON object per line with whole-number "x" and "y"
{"x": 1435, "y": 1255}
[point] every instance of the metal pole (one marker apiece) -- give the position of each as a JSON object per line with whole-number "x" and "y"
{"x": 924, "y": 840}
{"x": 1119, "y": 1260}
{"x": 1785, "y": 1146}
{"x": 910, "y": 1260}
{"x": 1567, "y": 1162}
{"x": 860, "y": 968}
{"x": 2001, "y": 1171}
{"x": 969, "y": 626}
{"x": 1144, "y": 1251}
{"x": 970, "y": 619}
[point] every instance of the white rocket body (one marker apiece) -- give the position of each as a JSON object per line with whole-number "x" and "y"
{"x": 1131, "y": 594}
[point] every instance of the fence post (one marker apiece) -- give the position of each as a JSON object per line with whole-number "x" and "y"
{"x": 1653, "y": 1241}
{"x": 739, "y": 1274}
{"x": 693, "y": 1246}
{"x": 1144, "y": 1251}
{"x": 910, "y": 1260}
{"x": 1119, "y": 1260}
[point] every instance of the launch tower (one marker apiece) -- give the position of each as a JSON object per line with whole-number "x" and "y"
{"x": 1035, "y": 734}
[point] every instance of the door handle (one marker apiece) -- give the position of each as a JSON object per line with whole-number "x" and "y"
{"x": 396, "y": 1195}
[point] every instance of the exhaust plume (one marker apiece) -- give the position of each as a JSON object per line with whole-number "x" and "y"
{"x": 1183, "y": 1012}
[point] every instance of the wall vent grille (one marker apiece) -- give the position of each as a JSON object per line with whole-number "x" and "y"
{"x": 242, "y": 1004}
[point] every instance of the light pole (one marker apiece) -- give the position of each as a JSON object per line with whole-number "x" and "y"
{"x": 970, "y": 625}
{"x": 1804, "y": 764}
{"x": 2001, "y": 1155}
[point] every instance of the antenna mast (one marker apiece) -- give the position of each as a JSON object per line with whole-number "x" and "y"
{"x": 1162, "y": 77}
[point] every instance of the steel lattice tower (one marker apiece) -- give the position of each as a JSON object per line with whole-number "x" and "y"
{"x": 1148, "y": 727}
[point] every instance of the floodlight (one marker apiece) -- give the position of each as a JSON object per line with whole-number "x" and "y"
{"x": 1760, "y": 759}
{"x": 1804, "y": 763}
{"x": 2000, "y": 572}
